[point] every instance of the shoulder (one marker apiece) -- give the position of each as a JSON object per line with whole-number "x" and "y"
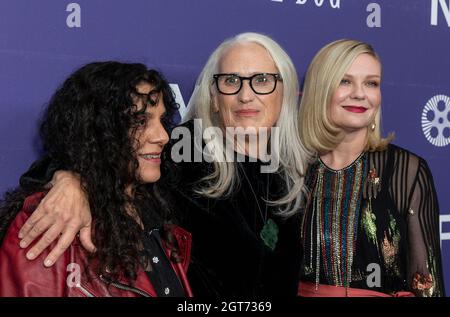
{"x": 402, "y": 164}
{"x": 401, "y": 157}
{"x": 180, "y": 233}
{"x": 184, "y": 244}
{"x": 398, "y": 150}
{"x": 406, "y": 157}
{"x": 22, "y": 277}
{"x": 11, "y": 240}
{"x": 29, "y": 206}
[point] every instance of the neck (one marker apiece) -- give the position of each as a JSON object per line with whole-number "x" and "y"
{"x": 347, "y": 151}
{"x": 252, "y": 146}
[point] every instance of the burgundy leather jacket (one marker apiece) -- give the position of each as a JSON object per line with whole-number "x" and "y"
{"x": 70, "y": 276}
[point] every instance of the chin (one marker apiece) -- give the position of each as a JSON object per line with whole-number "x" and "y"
{"x": 354, "y": 124}
{"x": 150, "y": 177}
{"x": 244, "y": 121}
{"x": 254, "y": 124}
{"x": 353, "y": 128}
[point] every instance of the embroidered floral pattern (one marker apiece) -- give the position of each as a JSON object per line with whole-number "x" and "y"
{"x": 368, "y": 222}
{"x": 390, "y": 246}
{"x": 423, "y": 285}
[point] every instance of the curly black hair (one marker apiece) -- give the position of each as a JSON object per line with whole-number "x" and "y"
{"x": 89, "y": 128}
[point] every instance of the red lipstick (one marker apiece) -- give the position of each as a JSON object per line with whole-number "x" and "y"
{"x": 355, "y": 109}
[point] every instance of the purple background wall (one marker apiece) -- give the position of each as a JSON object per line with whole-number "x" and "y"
{"x": 38, "y": 49}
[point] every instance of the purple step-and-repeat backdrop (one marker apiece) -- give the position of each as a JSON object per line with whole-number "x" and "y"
{"x": 41, "y": 42}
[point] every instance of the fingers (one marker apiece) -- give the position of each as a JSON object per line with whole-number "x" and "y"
{"x": 37, "y": 215}
{"x": 37, "y": 229}
{"x": 50, "y": 235}
{"x": 86, "y": 239}
{"x": 65, "y": 209}
{"x": 43, "y": 215}
{"x": 63, "y": 243}
{"x": 70, "y": 231}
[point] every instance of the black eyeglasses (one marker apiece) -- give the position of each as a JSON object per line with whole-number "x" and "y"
{"x": 151, "y": 98}
{"x": 261, "y": 84}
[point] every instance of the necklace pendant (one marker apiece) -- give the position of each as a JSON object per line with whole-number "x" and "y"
{"x": 269, "y": 234}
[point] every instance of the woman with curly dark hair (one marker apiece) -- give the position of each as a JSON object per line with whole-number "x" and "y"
{"x": 108, "y": 123}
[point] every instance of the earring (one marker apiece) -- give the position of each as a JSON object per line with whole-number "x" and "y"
{"x": 373, "y": 126}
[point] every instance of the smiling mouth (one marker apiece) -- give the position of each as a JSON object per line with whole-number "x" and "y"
{"x": 152, "y": 157}
{"x": 355, "y": 109}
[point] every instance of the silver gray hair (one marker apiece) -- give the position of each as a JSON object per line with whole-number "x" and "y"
{"x": 293, "y": 156}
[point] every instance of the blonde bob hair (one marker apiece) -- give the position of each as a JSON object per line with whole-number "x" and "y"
{"x": 323, "y": 77}
{"x": 293, "y": 157}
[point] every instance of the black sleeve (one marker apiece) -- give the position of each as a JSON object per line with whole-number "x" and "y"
{"x": 425, "y": 264}
{"x": 412, "y": 190}
{"x": 39, "y": 174}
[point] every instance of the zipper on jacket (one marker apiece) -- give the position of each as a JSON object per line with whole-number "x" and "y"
{"x": 125, "y": 287}
{"x": 85, "y": 291}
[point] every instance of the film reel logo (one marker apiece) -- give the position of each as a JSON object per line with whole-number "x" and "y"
{"x": 436, "y": 120}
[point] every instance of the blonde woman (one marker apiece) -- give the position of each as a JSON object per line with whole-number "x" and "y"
{"x": 370, "y": 227}
{"x": 244, "y": 242}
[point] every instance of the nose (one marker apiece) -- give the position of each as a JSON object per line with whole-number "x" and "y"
{"x": 358, "y": 92}
{"x": 162, "y": 137}
{"x": 157, "y": 135}
{"x": 246, "y": 94}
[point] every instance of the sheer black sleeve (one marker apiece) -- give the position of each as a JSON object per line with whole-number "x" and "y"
{"x": 424, "y": 266}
